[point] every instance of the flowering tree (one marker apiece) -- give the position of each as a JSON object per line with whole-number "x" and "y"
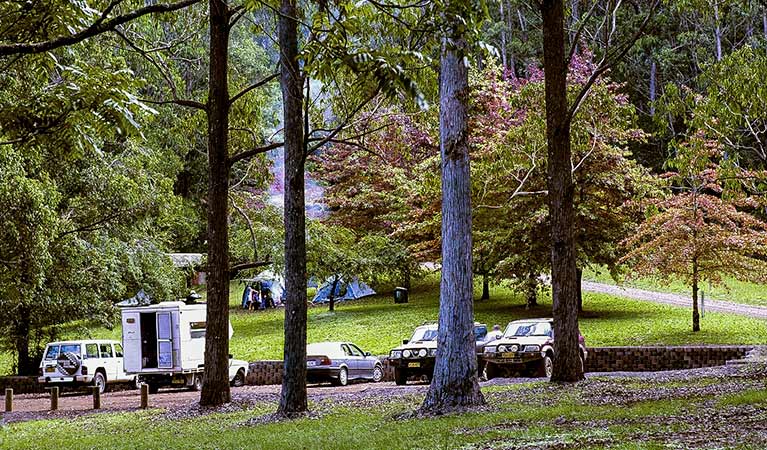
{"x": 699, "y": 234}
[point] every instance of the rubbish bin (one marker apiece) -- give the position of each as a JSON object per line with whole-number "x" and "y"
{"x": 400, "y": 295}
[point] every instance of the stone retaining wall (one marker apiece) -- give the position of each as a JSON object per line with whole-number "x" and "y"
{"x": 651, "y": 359}
{"x": 21, "y": 385}
{"x": 601, "y": 359}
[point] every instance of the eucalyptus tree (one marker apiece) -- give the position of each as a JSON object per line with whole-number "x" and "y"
{"x": 86, "y": 207}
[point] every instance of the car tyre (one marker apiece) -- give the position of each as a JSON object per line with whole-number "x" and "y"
{"x": 100, "y": 382}
{"x": 153, "y": 388}
{"x": 545, "y": 367}
{"x": 136, "y": 382}
{"x": 400, "y": 377}
{"x": 378, "y": 373}
{"x": 239, "y": 379}
{"x": 343, "y": 377}
{"x": 490, "y": 372}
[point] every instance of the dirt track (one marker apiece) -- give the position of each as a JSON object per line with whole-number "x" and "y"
{"x": 758, "y": 312}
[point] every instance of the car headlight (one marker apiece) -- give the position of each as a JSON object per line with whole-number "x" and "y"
{"x": 396, "y": 354}
{"x": 514, "y": 348}
{"x": 490, "y": 349}
{"x": 407, "y": 353}
{"x": 423, "y": 352}
{"x": 502, "y": 348}
{"x": 433, "y": 352}
{"x": 531, "y": 348}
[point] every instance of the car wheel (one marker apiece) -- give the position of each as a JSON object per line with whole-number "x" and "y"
{"x": 343, "y": 377}
{"x": 490, "y": 372}
{"x": 400, "y": 377}
{"x": 239, "y": 379}
{"x": 197, "y": 382}
{"x": 153, "y": 388}
{"x": 136, "y": 382}
{"x": 545, "y": 367}
{"x": 100, "y": 382}
{"x": 377, "y": 373}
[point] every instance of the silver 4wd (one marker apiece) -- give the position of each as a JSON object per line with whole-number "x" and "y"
{"x": 415, "y": 357}
{"x": 526, "y": 346}
{"x": 83, "y": 363}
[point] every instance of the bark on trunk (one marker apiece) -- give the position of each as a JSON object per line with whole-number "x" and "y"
{"x": 579, "y": 281}
{"x": 293, "y": 396}
{"x": 567, "y": 366}
{"x": 531, "y": 289}
{"x": 503, "y": 35}
{"x": 332, "y": 299}
{"x": 695, "y": 312}
{"x": 653, "y": 74}
{"x": 717, "y": 33}
{"x": 455, "y": 383}
{"x": 24, "y": 363}
{"x": 215, "y": 389}
{"x": 485, "y": 287}
{"x": 406, "y": 277}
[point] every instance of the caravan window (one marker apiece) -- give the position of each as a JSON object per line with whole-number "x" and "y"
{"x": 197, "y": 329}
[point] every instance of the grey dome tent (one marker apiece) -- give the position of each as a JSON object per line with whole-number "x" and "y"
{"x": 344, "y": 291}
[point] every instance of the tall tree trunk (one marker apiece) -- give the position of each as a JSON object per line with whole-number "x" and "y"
{"x": 332, "y": 300}
{"x": 503, "y": 35}
{"x": 24, "y": 363}
{"x": 293, "y": 396}
{"x": 485, "y": 287}
{"x": 215, "y": 389}
{"x": 695, "y": 312}
{"x": 579, "y": 281}
{"x": 717, "y": 32}
{"x": 455, "y": 383}
{"x": 406, "y": 277}
{"x": 531, "y": 289}
{"x": 575, "y": 17}
{"x": 653, "y": 75}
{"x": 567, "y": 367}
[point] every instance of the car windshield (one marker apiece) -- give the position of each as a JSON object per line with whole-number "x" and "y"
{"x": 52, "y": 352}
{"x": 528, "y": 329}
{"x": 424, "y": 334}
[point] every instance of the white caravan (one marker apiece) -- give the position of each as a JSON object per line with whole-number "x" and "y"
{"x": 165, "y": 345}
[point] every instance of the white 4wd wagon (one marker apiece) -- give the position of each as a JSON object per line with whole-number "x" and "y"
{"x": 81, "y": 363}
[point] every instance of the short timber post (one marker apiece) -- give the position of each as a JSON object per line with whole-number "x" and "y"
{"x": 144, "y": 396}
{"x": 96, "y": 397}
{"x": 8, "y": 400}
{"x": 54, "y": 398}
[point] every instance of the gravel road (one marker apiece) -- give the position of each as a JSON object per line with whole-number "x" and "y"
{"x": 758, "y": 312}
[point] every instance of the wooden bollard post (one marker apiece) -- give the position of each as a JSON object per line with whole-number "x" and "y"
{"x": 144, "y": 396}
{"x": 8, "y": 400}
{"x": 54, "y": 398}
{"x": 96, "y": 397}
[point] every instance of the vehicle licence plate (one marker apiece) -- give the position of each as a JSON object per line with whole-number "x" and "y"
{"x": 311, "y": 363}
{"x": 508, "y": 355}
{"x": 414, "y": 364}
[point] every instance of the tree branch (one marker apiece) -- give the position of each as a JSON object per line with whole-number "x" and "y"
{"x": 255, "y": 85}
{"x": 251, "y": 153}
{"x": 98, "y": 27}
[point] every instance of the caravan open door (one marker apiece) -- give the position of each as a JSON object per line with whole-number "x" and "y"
{"x": 131, "y": 342}
{"x": 164, "y": 340}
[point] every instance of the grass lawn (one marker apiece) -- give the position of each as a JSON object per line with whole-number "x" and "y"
{"x": 732, "y": 290}
{"x": 377, "y": 324}
{"x": 624, "y": 413}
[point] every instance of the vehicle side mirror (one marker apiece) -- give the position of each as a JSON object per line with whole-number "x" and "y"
{"x": 367, "y": 353}
{"x": 405, "y": 341}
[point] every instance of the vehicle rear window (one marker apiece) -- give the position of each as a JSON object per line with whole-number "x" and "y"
{"x": 70, "y": 348}
{"x": 118, "y": 350}
{"x": 52, "y": 352}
